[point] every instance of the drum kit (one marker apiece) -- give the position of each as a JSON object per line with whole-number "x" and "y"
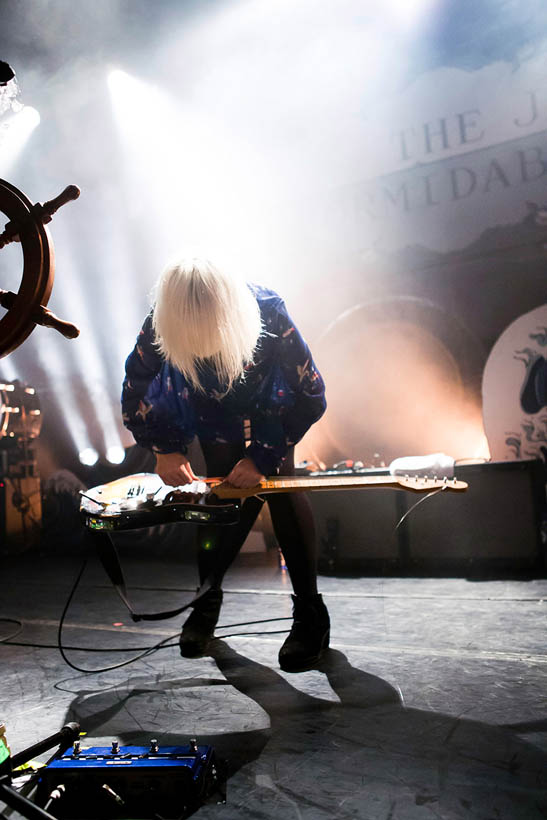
{"x": 20, "y": 412}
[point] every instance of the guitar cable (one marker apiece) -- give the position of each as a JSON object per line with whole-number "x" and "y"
{"x": 142, "y": 651}
{"x": 147, "y": 651}
{"x": 417, "y": 504}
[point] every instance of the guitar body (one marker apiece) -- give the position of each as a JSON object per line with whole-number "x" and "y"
{"x": 143, "y": 500}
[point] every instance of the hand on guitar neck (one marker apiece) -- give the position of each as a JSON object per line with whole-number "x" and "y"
{"x": 244, "y": 475}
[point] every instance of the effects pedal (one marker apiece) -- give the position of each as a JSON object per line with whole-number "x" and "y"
{"x": 130, "y": 781}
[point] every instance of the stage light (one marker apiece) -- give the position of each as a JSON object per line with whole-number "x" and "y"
{"x": 8, "y": 371}
{"x": 130, "y": 94}
{"x": 61, "y": 364}
{"x": 89, "y": 457}
{"x": 196, "y": 175}
{"x": 14, "y": 133}
{"x": 115, "y": 455}
{"x": 85, "y": 377}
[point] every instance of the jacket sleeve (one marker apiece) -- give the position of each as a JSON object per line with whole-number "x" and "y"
{"x": 296, "y": 395}
{"x": 156, "y": 405}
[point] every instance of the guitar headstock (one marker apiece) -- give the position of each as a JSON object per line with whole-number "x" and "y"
{"x": 424, "y": 484}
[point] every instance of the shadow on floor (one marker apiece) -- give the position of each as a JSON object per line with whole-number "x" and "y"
{"x": 292, "y": 754}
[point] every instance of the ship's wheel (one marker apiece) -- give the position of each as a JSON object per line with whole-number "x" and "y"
{"x": 27, "y": 307}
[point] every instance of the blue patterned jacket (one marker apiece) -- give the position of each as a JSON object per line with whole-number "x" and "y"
{"x": 282, "y": 394}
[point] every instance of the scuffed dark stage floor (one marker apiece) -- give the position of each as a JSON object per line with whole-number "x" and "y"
{"x": 430, "y": 704}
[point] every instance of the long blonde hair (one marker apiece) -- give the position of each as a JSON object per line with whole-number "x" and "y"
{"x": 201, "y": 312}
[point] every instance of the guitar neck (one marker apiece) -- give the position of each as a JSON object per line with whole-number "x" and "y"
{"x": 283, "y": 484}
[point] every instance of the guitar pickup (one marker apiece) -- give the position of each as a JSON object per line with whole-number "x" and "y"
{"x": 199, "y": 516}
{"x": 100, "y": 523}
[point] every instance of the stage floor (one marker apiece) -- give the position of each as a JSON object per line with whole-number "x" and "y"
{"x": 431, "y": 703}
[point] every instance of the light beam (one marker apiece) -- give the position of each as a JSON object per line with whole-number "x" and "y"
{"x": 15, "y": 131}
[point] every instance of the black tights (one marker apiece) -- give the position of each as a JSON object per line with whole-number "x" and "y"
{"x": 292, "y": 521}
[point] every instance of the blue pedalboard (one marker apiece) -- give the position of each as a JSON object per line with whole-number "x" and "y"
{"x": 130, "y": 781}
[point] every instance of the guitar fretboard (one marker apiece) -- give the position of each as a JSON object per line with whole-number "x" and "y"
{"x": 303, "y": 483}
{"x": 328, "y": 482}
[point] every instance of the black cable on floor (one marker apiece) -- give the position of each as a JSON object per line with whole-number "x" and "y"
{"x": 89, "y": 648}
{"x": 149, "y": 650}
{"x": 239, "y": 634}
{"x": 250, "y": 623}
{"x": 106, "y": 668}
{"x": 155, "y": 647}
{"x": 13, "y": 634}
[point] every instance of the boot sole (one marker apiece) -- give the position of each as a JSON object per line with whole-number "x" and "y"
{"x": 308, "y": 663}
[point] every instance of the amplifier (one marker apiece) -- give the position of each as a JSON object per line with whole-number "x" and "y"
{"x": 356, "y": 529}
{"x": 496, "y": 524}
{"x": 493, "y": 526}
{"x": 130, "y": 781}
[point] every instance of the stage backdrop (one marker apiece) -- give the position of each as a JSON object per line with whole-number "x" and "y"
{"x": 385, "y": 172}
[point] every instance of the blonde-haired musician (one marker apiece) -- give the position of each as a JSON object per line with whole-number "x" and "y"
{"x": 213, "y": 353}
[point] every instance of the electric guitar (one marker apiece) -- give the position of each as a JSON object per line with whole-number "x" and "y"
{"x": 143, "y": 500}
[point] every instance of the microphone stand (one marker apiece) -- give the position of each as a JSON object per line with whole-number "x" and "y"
{"x": 63, "y": 738}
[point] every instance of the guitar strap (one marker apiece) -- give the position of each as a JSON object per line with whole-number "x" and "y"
{"x": 107, "y": 553}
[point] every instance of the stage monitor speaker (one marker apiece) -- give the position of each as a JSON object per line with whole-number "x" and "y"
{"x": 20, "y": 513}
{"x": 358, "y": 527}
{"x": 493, "y": 526}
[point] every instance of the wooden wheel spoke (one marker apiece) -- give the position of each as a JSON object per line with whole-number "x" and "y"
{"x": 27, "y": 307}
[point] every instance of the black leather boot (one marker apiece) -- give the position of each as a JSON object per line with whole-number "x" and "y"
{"x": 309, "y": 636}
{"x": 199, "y": 627}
